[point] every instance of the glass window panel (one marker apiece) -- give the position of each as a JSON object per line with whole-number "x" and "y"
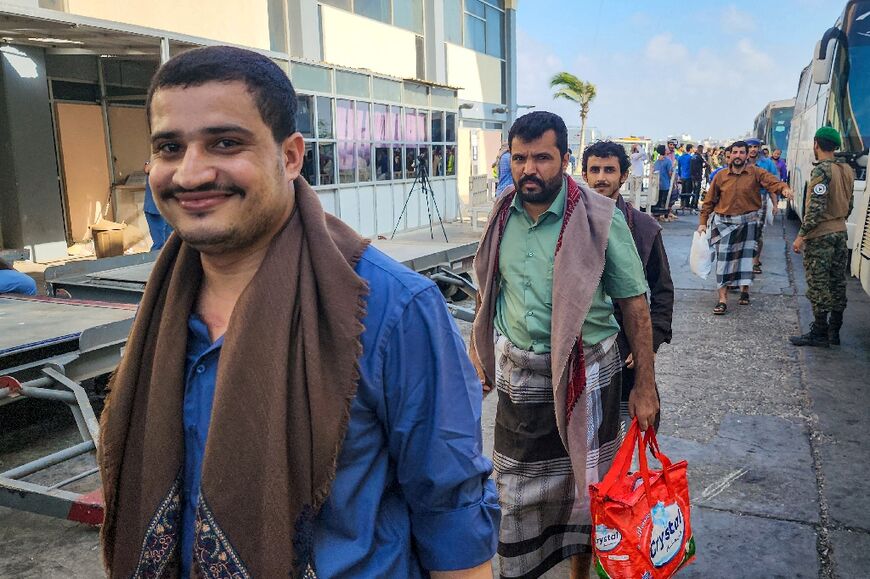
{"x": 394, "y": 130}
{"x": 423, "y": 158}
{"x": 410, "y": 162}
{"x": 453, "y": 21}
{"x": 308, "y": 164}
{"x": 450, "y": 159}
{"x": 326, "y": 159}
{"x": 475, "y": 33}
{"x": 410, "y": 125}
{"x": 362, "y": 122}
{"x": 387, "y": 90}
{"x": 379, "y": 123}
{"x": 409, "y": 15}
{"x": 476, "y": 7}
{"x": 437, "y": 126}
{"x": 397, "y": 162}
{"x": 450, "y": 127}
{"x": 309, "y": 77}
{"x": 416, "y": 94}
{"x": 346, "y": 162}
{"x": 305, "y": 115}
{"x": 383, "y": 154}
{"x": 443, "y": 98}
{"x": 344, "y": 119}
{"x": 494, "y": 19}
{"x": 422, "y": 127}
{"x": 364, "y": 161}
{"x": 338, "y": 3}
{"x": 352, "y": 84}
{"x": 437, "y": 161}
{"x": 324, "y": 118}
{"x": 377, "y": 9}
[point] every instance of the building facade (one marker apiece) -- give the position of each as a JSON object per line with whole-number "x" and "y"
{"x": 386, "y": 89}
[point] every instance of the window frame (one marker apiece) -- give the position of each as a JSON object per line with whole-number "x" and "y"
{"x": 397, "y": 143}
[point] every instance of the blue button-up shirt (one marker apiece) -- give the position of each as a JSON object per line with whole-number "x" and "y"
{"x": 411, "y": 492}
{"x": 768, "y": 165}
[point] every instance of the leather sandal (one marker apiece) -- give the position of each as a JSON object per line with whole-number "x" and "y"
{"x": 756, "y": 269}
{"x": 720, "y": 309}
{"x": 744, "y": 299}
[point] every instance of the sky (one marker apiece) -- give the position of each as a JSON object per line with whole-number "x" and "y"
{"x": 703, "y": 68}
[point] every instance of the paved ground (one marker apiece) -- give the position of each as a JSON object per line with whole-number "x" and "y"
{"x": 775, "y": 436}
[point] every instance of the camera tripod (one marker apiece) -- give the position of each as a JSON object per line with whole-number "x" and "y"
{"x": 421, "y": 176}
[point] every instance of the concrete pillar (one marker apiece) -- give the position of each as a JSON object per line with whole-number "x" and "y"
{"x": 31, "y": 208}
{"x": 436, "y": 56}
{"x": 304, "y": 34}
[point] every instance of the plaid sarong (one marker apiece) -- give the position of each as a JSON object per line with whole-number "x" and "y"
{"x": 735, "y": 238}
{"x": 545, "y": 513}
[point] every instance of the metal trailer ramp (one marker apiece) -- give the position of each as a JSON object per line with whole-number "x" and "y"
{"x": 123, "y": 279}
{"x": 48, "y": 349}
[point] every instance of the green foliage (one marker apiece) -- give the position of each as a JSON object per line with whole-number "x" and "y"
{"x": 579, "y": 91}
{"x": 573, "y": 89}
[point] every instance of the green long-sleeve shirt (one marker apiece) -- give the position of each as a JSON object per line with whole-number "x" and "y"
{"x": 524, "y": 308}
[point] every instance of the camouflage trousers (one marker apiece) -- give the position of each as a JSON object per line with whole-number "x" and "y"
{"x": 825, "y": 261}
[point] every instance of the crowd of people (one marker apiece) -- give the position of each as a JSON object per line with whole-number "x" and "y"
{"x": 293, "y": 402}
{"x": 683, "y": 173}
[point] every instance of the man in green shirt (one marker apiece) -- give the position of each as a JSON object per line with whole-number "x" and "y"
{"x": 552, "y": 261}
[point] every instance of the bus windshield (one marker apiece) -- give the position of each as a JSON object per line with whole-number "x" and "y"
{"x": 859, "y": 74}
{"x": 780, "y": 123}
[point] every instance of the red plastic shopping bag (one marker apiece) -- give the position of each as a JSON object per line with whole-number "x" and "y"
{"x": 641, "y": 527}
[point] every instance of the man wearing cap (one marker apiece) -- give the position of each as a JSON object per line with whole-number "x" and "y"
{"x": 822, "y": 239}
{"x": 762, "y": 162}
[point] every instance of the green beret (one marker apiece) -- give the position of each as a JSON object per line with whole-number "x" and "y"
{"x": 829, "y": 133}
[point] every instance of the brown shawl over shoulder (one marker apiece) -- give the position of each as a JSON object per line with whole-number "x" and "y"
{"x": 288, "y": 371}
{"x": 578, "y": 267}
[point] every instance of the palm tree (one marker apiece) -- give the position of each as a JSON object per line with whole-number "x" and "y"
{"x": 581, "y": 92}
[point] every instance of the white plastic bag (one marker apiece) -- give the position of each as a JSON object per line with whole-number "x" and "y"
{"x": 701, "y": 255}
{"x": 768, "y": 212}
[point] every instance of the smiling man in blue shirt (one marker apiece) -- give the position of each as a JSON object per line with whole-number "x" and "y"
{"x": 291, "y": 402}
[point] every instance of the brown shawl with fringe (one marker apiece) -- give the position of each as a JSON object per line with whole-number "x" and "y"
{"x": 578, "y": 267}
{"x": 288, "y": 371}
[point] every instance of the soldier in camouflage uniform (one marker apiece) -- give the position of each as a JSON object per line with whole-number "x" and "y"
{"x": 822, "y": 238}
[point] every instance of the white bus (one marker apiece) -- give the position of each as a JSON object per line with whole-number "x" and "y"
{"x": 834, "y": 89}
{"x": 772, "y": 125}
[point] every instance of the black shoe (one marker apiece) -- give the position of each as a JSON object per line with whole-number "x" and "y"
{"x": 834, "y": 328}
{"x": 810, "y": 339}
{"x": 817, "y": 337}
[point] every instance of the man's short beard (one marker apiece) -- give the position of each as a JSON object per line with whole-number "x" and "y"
{"x": 549, "y": 189}
{"x": 219, "y": 242}
{"x": 236, "y": 237}
{"x": 738, "y": 162}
